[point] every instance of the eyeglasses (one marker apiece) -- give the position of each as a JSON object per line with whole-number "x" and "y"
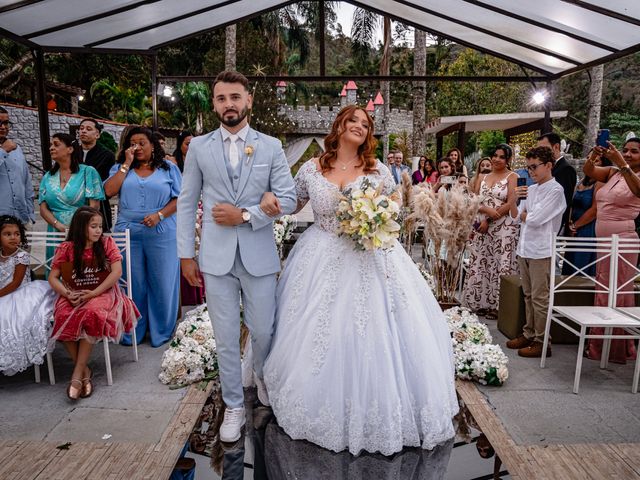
{"x": 5, "y": 123}
{"x": 532, "y": 168}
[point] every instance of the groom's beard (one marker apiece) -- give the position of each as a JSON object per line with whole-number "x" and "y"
{"x": 232, "y": 122}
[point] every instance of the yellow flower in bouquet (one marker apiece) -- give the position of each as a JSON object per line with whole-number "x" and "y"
{"x": 368, "y": 217}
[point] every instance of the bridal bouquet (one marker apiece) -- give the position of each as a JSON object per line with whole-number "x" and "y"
{"x": 191, "y": 356}
{"x": 368, "y": 217}
{"x": 283, "y": 229}
{"x": 475, "y": 357}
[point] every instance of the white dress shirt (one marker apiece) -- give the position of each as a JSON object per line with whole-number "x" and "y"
{"x": 544, "y": 205}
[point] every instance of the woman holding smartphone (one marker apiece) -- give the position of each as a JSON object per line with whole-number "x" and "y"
{"x": 492, "y": 252}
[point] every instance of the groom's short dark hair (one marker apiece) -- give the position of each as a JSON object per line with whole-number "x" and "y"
{"x": 229, "y": 76}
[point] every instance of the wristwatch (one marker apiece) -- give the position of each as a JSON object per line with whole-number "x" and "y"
{"x": 160, "y": 215}
{"x": 246, "y": 216}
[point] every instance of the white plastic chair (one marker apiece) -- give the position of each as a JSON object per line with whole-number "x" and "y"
{"x": 588, "y": 316}
{"x": 41, "y": 240}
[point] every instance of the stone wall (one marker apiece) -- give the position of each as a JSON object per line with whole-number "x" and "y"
{"x": 25, "y": 131}
{"x": 318, "y": 120}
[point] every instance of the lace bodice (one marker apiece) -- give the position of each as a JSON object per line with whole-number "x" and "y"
{"x": 8, "y": 266}
{"x": 324, "y": 196}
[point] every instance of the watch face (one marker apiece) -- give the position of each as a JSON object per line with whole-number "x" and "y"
{"x": 246, "y": 216}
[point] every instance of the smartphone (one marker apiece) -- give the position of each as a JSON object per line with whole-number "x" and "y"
{"x": 521, "y": 182}
{"x": 603, "y": 138}
{"x": 448, "y": 180}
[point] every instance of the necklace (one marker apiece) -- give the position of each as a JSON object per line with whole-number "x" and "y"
{"x": 2, "y": 255}
{"x": 345, "y": 165}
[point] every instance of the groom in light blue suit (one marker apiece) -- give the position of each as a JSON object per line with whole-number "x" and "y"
{"x": 232, "y": 168}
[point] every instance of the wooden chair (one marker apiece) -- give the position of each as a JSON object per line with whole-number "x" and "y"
{"x": 39, "y": 241}
{"x": 579, "y": 319}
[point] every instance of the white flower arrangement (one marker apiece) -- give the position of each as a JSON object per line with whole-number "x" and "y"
{"x": 427, "y": 276}
{"x": 191, "y": 356}
{"x": 475, "y": 357}
{"x": 368, "y": 217}
{"x": 283, "y": 229}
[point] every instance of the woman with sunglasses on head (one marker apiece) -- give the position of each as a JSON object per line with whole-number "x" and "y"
{"x": 618, "y": 205}
{"x": 492, "y": 251}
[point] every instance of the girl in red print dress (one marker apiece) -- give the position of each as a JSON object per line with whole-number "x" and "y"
{"x": 84, "y": 316}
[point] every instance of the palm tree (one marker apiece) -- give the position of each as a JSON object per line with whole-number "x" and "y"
{"x": 363, "y": 28}
{"x": 419, "y": 92}
{"x": 230, "y": 47}
{"x": 595, "y": 104}
{"x": 195, "y": 97}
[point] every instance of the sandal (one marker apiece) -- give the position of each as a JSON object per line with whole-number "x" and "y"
{"x": 79, "y": 390}
{"x": 87, "y": 386}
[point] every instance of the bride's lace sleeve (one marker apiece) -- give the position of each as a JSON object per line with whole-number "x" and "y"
{"x": 301, "y": 180}
{"x": 388, "y": 183}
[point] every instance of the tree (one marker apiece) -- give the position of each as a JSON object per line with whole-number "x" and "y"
{"x": 195, "y": 98}
{"x": 363, "y": 28}
{"x": 419, "y": 92}
{"x": 595, "y": 103}
{"x": 230, "y": 48}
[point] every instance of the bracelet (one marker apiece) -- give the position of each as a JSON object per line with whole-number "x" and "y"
{"x": 124, "y": 168}
{"x": 55, "y": 222}
{"x": 624, "y": 169}
{"x": 161, "y": 215}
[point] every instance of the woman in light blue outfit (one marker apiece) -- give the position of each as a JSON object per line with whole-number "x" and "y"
{"x": 67, "y": 186}
{"x": 148, "y": 186}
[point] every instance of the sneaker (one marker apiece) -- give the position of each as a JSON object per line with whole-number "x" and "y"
{"x": 519, "y": 342}
{"x": 263, "y": 396}
{"x": 534, "y": 350}
{"x": 234, "y": 419}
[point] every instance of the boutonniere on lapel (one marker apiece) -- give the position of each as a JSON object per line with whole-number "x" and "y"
{"x": 248, "y": 151}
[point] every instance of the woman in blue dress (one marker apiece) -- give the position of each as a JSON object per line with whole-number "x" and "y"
{"x": 67, "y": 186}
{"x": 148, "y": 186}
{"x": 582, "y": 224}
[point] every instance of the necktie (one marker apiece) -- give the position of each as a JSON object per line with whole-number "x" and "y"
{"x": 234, "y": 157}
{"x": 395, "y": 174}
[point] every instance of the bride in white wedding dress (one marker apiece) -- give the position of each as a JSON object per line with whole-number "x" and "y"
{"x": 361, "y": 358}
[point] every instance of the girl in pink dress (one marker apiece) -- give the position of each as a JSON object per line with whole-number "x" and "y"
{"x": 82, "y": 317}
{"x": 618, "y": 205}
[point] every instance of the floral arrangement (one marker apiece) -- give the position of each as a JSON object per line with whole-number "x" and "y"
{"x": 191, "y": 356}
{"x": 368, "y": 217}
{"x": 475, "y": 357}
{"x": 427, "y": 276}
{"x": 198, "y": 237}
{"x": 448, "y": 218}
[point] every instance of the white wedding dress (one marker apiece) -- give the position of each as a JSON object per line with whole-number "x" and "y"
{"x": 26, "y": 316}
{"x": 361, "y": 358}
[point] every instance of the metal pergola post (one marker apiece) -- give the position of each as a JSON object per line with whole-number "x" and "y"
{"x": 43, "y": 114}
{"x": 154, "y": 89}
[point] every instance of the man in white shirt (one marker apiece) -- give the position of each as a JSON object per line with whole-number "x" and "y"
{"x": 540, "y": 214}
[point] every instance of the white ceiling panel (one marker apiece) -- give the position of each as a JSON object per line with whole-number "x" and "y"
{"x": 550, "y": 36}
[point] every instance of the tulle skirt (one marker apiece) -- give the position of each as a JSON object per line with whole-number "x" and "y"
{"x": 26, "y": 316}
{"x": 361, "y": 358}
{"x": 109, "y": 315}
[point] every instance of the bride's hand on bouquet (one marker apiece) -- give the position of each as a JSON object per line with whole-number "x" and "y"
{"x": 270, "y": 204}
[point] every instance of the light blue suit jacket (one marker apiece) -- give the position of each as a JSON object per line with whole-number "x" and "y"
{"x": 205, "y": 171}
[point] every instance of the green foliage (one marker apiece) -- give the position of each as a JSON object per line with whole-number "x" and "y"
{"x": 487, "y": 140}
{"x": 107, "y": 141}
{"x": 475, "y": 98}
{"x": 620, "y": 124}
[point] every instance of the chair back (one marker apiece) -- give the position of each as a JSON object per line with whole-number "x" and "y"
{"x": 627, "y": 249}
{"x": 580, "y": 280}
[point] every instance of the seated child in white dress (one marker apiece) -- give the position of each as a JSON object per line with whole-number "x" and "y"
{"x": 26, "y": 307}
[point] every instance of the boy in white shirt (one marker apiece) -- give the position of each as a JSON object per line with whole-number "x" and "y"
{"x": 540, "y": 214}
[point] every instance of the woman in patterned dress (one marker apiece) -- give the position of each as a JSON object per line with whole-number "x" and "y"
{"x": 492, "y": 250}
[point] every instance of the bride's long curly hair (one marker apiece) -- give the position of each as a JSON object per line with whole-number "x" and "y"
{"x": 366, "y": 151}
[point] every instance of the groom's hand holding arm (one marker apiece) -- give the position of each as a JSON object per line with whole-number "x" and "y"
{"x": 227, "y": 215}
